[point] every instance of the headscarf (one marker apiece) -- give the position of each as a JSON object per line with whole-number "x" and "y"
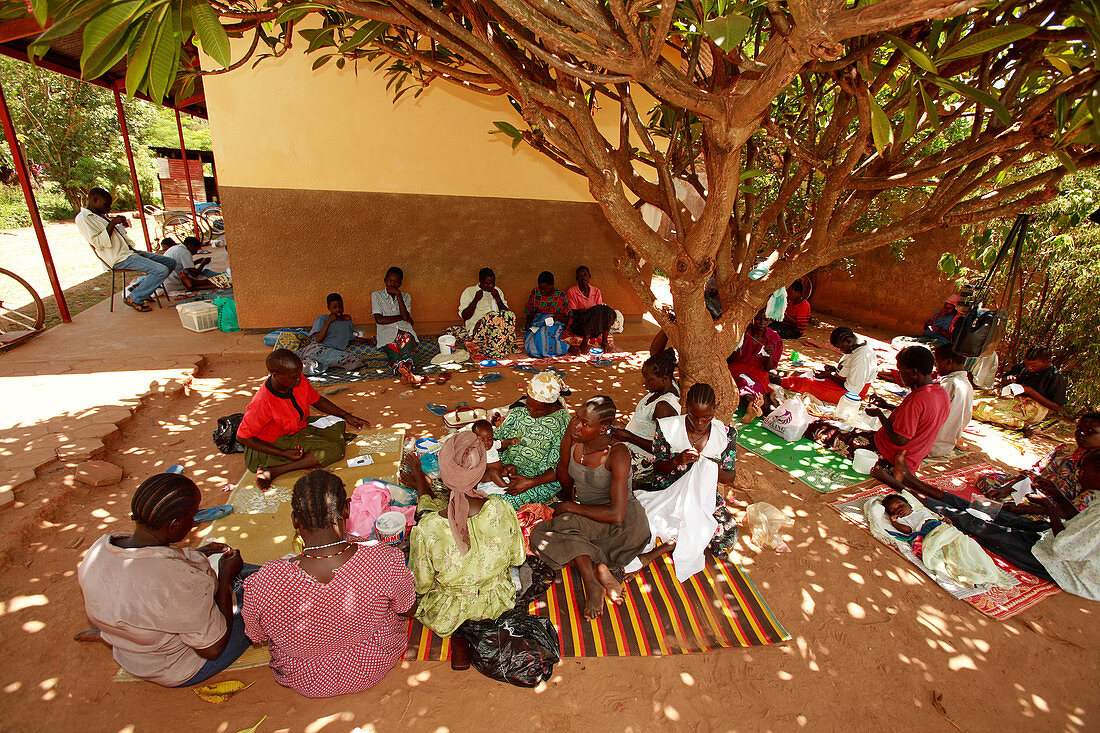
{"x": 461, "y": 466}
{"x": 545, "y": 387}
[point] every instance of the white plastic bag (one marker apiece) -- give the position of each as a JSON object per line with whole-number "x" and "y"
{"x": 765, "y": 523}
{"x": 789, "y": 421}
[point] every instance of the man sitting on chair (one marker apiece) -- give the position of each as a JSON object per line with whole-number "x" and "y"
{"x": 107, "y": 236}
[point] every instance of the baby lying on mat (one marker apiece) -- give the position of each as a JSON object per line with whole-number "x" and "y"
{"x": 496, "y": 475}
{"x": 944, "y": 550}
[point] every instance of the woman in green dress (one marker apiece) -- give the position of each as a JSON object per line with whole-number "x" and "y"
{"x": 540, "y": 424}
{"x": 461, "y": 556}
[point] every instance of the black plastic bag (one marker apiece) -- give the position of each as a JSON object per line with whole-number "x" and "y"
{"x": 225, "y": 434}
{"x": 516, "y": 648}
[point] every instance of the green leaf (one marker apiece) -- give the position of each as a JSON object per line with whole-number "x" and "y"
{"x": 325, "y": 38}
{"x": 365, "y": 34}
{"x": 106, "y": 29}
{"x": 508, "y": 129}
{"x": 137, "y": 66}
{"x": 948, "y": 264}
{"x": 929, "y": 108}
{"x": 727, "y": 31}
{"x": 1067, "y": 161}
{"x": 215, "y": 41}
{"x": 1058, "y": 63}
{"x": 881, "y": 131}
{"x": 298, "y": 10}
{"x": 162, "y": 61}
{"x": 41, "y": 10}
{"x": 108, "y": 54}
{"x": 916, "y": 55}
{"x": 988, "y": 40}
{"x": 976, "y": 95}
{"x": 749, "y": 173}
{"x": 909, "y": 120}
{"x": 321, "y": 61}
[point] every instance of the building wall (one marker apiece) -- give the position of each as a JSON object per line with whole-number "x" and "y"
{"x": 325, "y": 183}
{"x": 886, "y": 292}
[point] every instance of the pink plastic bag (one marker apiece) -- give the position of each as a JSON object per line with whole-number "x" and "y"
{"x": 370, "y": 500}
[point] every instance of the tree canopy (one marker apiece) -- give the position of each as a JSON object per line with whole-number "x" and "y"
{"x": 793, "y": 132}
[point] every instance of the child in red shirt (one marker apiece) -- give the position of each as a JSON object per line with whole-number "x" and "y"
{"x": 275, "y": 432}
{"x": 797, "y": 317}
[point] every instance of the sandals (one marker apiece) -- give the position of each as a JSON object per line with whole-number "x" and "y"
{"x": 488, "y": 363}
{"x": 211, "y": 513}
{"x": 139, "y": 307}
{"x": 487, "y": 379}
{"x": 525, "y": 368}
{"x": 436, "y": 409}
{"x": 601, "y": 362}
{"x": 443, "y": 378}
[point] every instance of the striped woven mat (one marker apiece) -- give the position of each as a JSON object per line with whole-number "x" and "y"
{"x": 718, "y": 607}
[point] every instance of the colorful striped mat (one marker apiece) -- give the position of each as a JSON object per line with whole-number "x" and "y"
{"x": 998, "y": 603}
{"x": 718, "y": 607}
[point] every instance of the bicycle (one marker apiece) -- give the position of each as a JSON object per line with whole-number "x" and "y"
{"x": 22, "y": 312}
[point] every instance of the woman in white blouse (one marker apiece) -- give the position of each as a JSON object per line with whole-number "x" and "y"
{"x": 662, "y": 400}
{"x": 392, "y": 309}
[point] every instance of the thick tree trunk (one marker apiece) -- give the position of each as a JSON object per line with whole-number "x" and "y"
{"x": 698, "y": 347}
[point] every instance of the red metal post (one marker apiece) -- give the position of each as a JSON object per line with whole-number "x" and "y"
{"x": 32, "y": 207}
{"x": 133, "y": 171}
{"x": 187, "y": 175}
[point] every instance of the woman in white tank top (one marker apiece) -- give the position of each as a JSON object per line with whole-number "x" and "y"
{"x": 662, "y": 400}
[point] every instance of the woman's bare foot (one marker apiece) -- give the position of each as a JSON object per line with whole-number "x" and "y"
{"x": 612, "y": 587}
{"x": 900, "y": 469}
{"x": 663, "y": 549}
{"x": 264, "y": 478}
{"x": 594, "y": 593}
{"x": 754, "y": 410}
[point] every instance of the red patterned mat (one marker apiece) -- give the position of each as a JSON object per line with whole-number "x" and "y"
{"x": 998, "y": 603}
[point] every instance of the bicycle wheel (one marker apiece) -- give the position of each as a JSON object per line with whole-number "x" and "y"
{"x": 213, "y": 216}
{"x": 22, "y": 312}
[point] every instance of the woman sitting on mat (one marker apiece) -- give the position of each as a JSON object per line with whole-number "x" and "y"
{"x": 166, "y": 614}
{"x": 392, "y": 309}
{"x": 486, "y": 318}
{"x": 539, "y": 422}
{"x": 854, "y": 373}
{"x": 759, "y": 353}
{"x": 1036, "y": 388}
{"x": 330, "y": 615}
{"x": 694, "y": 452}
{"x": 912, "y": 426}
{"x": 331, "y": 335}
{"x": 797, "y": 316}
{"x": 590, "y": 317}
{"x": 275, "y": 429}
{"x": 1054, "y": 474}
{"x": 547, "y": 300}
{"x": 662, "y": 400}
{"x": 461, "y": 556}
{"x": 601, "y": 526}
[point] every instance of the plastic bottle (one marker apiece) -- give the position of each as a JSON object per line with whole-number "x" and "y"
{"x": 847, "y": 406}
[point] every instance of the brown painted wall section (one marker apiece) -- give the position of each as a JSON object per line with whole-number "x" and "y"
{"x": 886, "y": 292}
{"x": 290, "y": 248}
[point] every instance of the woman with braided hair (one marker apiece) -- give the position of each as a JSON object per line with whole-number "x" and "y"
{"x": 329, "y": 615}
{"x": 662, "y": 400}
{"x": 167, "y": 616}
{"x": 600, "y": 527}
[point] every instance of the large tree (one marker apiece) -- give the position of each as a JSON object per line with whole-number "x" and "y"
{"x": 796, "y": 132}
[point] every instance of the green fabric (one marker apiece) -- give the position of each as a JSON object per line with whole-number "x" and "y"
{"x": 478, "y": 585}
{"x": 537, "y": 452}
{"x": 820, "y": 469}
{"x": 326, "y": 445}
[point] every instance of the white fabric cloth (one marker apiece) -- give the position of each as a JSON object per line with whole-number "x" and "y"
{"x": 487, "y": 304}
{"x": 642, "y": 423}
{"x": 916, "y": 519}
{"x": 112, "y": 248}
{"x": 961, "y": 394}
{"x": 858, "y": 368}
{"x": 384, "y": 304}
{"x": 946, "y": 552}
{"x": 1072, "y": 557}
{"x": 492, "y": 454}
{"x": 184, "y": 261}
{"x": 684, "y": 512}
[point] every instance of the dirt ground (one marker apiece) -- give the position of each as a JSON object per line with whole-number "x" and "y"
{"x": 874, "y": 643}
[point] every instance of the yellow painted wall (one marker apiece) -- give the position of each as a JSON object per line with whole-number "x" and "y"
{"x": 283, "y": 125}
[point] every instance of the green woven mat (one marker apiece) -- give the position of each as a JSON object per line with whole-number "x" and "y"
{"x": 820, "y": 469}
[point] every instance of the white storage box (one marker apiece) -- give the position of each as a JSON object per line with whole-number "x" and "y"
{"x": 199, "y": 316}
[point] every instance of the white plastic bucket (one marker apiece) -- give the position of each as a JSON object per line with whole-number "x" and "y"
{"x": 390, "y": 527}
{"x": 446, "y": 344}
{"x": 864, "y": 460}
{"x": 847, "y": 406}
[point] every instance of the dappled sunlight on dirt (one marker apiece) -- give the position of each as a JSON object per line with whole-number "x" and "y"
{"x": 873, "y": 640}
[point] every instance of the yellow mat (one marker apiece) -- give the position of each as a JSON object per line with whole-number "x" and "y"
{"x": 260, "y": 524}
{"x": 254, "y": 656}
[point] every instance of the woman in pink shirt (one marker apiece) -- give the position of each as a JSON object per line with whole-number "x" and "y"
{"x": 591, "y": 318}
{"x": 331, "y": 615}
